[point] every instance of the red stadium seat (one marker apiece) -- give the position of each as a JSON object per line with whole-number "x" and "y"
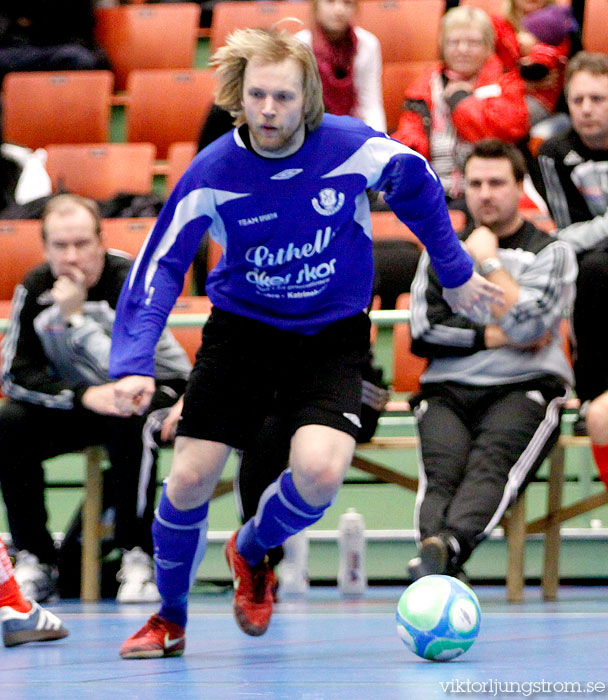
{"x": 21, "y": 249}
{"x": 166, "y": 106}
{"x": 148, "y": 36}
{"x": 56, "y": 107}
{"x": 228, "y": 16}
{"x": 101, "y": 170}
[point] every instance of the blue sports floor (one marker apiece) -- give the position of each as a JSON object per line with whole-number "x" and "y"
{"x": 323, "y": 648}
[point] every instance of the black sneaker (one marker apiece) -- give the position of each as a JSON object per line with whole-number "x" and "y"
{"x": 433, "y": 559}
{"x": 579, "y": 427}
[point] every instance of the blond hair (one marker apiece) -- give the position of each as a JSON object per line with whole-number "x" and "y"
{"x": 66, "y": 204}
{"x": 465, "y": 16}
{"x": 266, "y": 46}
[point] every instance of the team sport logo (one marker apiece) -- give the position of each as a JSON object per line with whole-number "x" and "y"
{"x": 329, "y": 201}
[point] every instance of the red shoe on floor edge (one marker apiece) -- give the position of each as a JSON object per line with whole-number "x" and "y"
{"x": 156, "y": 639}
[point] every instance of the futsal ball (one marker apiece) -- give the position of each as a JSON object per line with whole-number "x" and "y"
{"x": 438, "y": 617}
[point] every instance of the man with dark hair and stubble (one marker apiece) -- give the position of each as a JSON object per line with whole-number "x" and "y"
{"x": 489, "y": 408}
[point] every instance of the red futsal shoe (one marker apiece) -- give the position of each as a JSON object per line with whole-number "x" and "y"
{"x": 253, "y": 591}
{"x": 157, "y": 638}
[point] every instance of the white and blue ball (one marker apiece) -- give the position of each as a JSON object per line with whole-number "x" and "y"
{"x": 438, "y": 617}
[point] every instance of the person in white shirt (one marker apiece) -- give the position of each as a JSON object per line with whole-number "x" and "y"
{"x": 349, "y": 60}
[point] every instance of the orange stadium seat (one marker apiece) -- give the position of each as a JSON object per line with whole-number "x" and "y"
{"x": 179, "y": 157}
{"x": 492, "y": 7}
{"x": 148, "y": 36}
{"x": 386, "y": 226}
{"x": 395, "y": 78}
{"x": 166, "y": 106}
{"x": 21, "y": 249}
{"x": 595, "y": 37}
{"x": 228, "y": 16}
{"x": 101, "y": 170}
{"x": 408, "y": 30}
{"x": 56, "y": 107}
{"x": 128, "y": 235}
{"x": 190, "y": 337}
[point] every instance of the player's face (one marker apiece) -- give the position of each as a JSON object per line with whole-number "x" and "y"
{"x": 335, "y": 16}
{"x": 273, "y": 101}
{"x": 492, "y": 193}
{"x": 72, "y": 242}
{"x": 588, "y": 104}
{"x": 465, "y": 50}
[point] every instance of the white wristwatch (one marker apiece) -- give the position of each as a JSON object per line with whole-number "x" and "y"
{"x": 489, "y": 265}
{"x": 76, "y": 320}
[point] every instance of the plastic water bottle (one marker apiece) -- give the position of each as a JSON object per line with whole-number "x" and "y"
{"x": 352, "y": 579}
{"x": 293, "y": 569}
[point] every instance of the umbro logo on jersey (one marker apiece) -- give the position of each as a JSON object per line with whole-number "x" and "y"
{"x": 573, "y": 158}
{"x": 287, "y": 174}
{"x": 329, "y": 201}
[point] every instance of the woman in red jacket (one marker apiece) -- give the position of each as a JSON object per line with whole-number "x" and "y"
{"x": 537, "y": 37}
{"x": 467, "y": 97}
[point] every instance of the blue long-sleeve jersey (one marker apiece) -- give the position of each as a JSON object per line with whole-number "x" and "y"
{"x": 295, "y": 234}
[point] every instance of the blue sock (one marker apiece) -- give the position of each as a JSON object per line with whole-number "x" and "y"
{"x": 180, "y": 539}
{"x": 281, "y": 513}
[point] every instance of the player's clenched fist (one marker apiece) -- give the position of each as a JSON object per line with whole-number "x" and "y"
{"x": 132, "y": 394}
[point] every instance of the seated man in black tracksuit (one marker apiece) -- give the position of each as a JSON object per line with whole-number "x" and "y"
{"x": 55, "y": 375}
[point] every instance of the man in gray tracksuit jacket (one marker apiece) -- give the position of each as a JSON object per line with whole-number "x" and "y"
{"x": 489, "y": 408}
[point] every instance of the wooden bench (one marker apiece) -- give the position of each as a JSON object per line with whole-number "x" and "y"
{"x": 407, "y": 369}
{"x": 514, "y": 522}
{"x": 90, "y": 572}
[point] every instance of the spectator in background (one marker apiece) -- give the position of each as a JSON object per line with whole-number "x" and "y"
{"x": 349, "y": 61}
{"x": 40, "y": 35}
{"x": 466, "y": 97}
{"x": 573, "y": 167}
{"x": 55, "y": 374}
{"x": 536, "y": 37}
{"x": 489, "y": 408}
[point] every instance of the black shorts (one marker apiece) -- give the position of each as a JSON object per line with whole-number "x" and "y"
{"x": 246, "y": 369}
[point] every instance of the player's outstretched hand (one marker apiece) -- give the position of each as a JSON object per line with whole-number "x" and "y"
{"x": 132, "y": 394}
{"x": 477, "y": 293}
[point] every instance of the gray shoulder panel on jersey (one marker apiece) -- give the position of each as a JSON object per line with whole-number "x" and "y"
{"x": 199, "y": 202}
{"x": 371, "y": 158}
